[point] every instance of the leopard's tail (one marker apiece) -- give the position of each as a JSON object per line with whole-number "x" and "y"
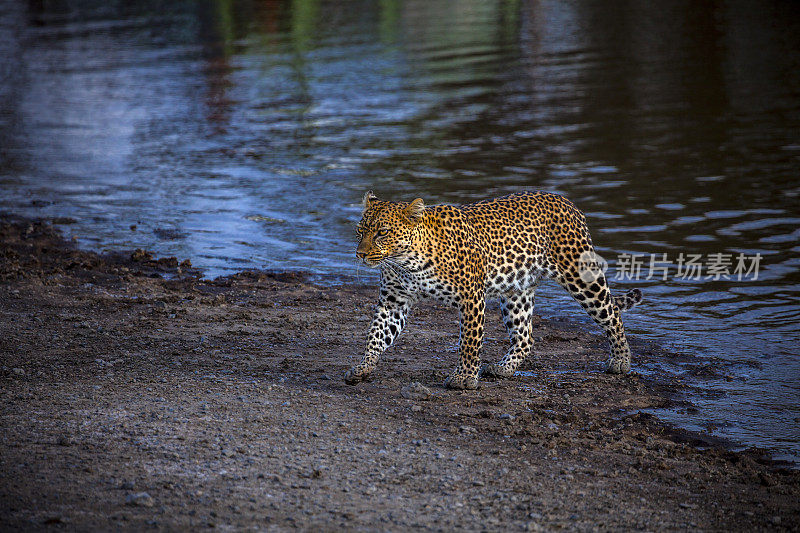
{"x": 630, "y": 299}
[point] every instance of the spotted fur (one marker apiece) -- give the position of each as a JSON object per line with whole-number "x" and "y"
{"x": 462, "y": 255}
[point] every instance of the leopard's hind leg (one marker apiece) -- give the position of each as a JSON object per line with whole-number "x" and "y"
{"x": 595, "y": 297}
{"x": 516, "y": 310}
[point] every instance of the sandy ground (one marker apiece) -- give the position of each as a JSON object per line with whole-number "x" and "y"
{"x": 132, "y": 401}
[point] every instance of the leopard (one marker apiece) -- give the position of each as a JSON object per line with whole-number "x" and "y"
{"x": 494, "y": 249}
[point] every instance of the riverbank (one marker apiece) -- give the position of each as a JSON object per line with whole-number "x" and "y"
{"x": 135, "y": 395}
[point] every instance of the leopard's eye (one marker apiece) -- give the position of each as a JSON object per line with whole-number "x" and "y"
{"x": 382, "y": 232}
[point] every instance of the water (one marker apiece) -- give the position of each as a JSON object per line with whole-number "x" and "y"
{"x": 243, "y": 134}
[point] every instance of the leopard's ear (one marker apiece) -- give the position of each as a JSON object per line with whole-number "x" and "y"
{"x": 368, "y": 199}
{"x": 414, "y": 210}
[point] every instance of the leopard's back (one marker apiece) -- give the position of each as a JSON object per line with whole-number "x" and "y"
{"x": 527, "y": 235}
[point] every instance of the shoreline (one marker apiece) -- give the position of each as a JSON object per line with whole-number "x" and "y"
{"x": 223, "y": 400}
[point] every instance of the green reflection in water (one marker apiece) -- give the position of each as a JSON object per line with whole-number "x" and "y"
{"x": 226, "y": 25}
{"x": 304, "y": 23}
{"x": 389, "y": 21}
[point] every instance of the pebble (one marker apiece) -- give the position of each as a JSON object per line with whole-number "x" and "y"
{"x": 767, "y": 480}
{"x": 141, "y": 255}
{"x": 140, "y": 499}
{"x": 18, "y": 371}
{"x": 275, "y": 478}
{"x": 416, "y": 391}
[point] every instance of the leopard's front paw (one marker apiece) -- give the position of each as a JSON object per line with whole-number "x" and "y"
{"x": 495, "y": 371}
{"x": 355, "y": 375}
{"x": 618, "y": 366}
{"x": 461, "y": 382}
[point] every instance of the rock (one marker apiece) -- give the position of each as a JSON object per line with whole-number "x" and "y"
{"x": 416, "y": 408}
{"x": 416, "y": 391}
{"x": 18, "y": 371}
{"x": 127, "y": 485}
{"x": 140, "y": 499}
{"x": 766, "y": 479}
{"x": 140, "y": 255}
{"x": 168, "y": 262}
{"x": 507, "y": 416}
{"x": 64, "y": 440}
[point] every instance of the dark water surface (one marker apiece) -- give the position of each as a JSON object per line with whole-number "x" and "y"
{"x": 243, "y": 135}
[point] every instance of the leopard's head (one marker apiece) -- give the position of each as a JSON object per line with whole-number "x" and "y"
{"x": 386, "y": 229}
